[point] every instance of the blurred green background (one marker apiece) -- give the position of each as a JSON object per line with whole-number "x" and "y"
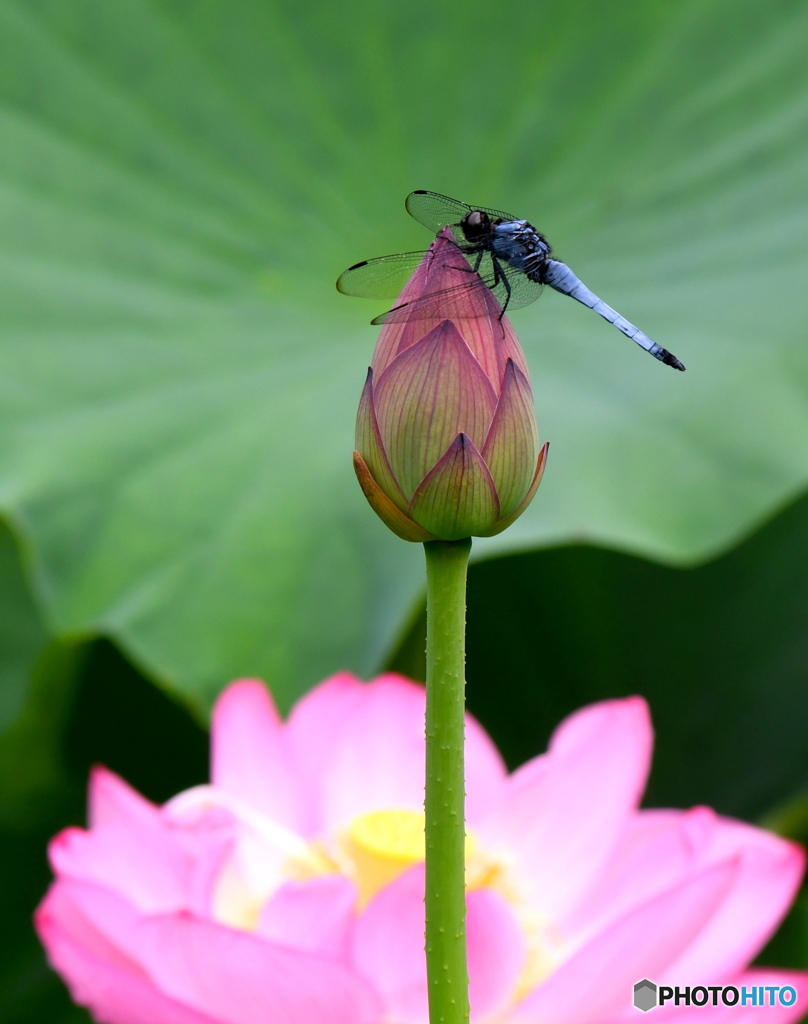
{"x": 181, "y": 184}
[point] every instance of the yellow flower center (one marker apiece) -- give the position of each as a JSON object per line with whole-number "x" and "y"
{"x": 374, "y": 850}
{"x": 381, "y": 846}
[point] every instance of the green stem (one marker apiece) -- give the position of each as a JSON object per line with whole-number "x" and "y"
{"x": 447, "y": 973}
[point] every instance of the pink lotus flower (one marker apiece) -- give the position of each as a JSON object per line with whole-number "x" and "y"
{"x": 290, "y": 890}
{"x": 446, "y": 436}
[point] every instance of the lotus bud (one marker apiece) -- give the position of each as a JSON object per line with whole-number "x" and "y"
{"x": 446, "y": 439}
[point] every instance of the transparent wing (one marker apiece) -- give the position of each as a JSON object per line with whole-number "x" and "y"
{"x": 435, "y": 211}
{"x": 385, "y": 276}
{"x": 454, "y": 302}
{"x": 512, "y": 288}
{"x": 381, "y": 278}
{"x": 447, "y": 304}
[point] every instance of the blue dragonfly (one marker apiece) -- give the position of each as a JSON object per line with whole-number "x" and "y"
{"x": 508, "y": 255}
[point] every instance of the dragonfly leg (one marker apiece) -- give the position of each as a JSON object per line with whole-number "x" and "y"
{"x": 468, "y": 270}
{"x": 500, "y": 276}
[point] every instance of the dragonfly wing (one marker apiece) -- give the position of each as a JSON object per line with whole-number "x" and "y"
{"x": 447, "y": 304}
{"x": 381, "y": 278}
{"x": 523, "y": 291}
{"x": 455, "y": 302}
{"x": 512, "y": 288}
{"x": 435, "y": 211}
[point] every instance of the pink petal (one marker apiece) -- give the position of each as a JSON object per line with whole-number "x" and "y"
{"x": 99, "y": 975}
{"x": 391, "y": 515}
{"x": 388, "y": 948}
{"x": 769, "y": 875}
{"x": 512, "y": 445}
{"x": 370, "y": 447}
{"x": 113, "y": 801}
{"x": 396, "y": 336}
{"x": 112, "y": 994}
{"x": 250, "y": 754}
{"x": 474, "y": 310}
{"x": 207, "y": 838}
{"x": 457, "y": 498}
{"x": 563, "y": 813}
{"x": 439, "y": 375}
{"x": 93, "y": 917}
{"x": 496, "y": 952}
{"x": 144, "y": 863}
{"x": 344, "y": 725}
{"x": 596, "y": 983}
{"x": 159, "y": 863}
{"x": 316, "y": 916}
{"x": 340, "y": 728}
{"x": 486, "y": 773}
{"x": 662, "y": 847}
{"x": 506, "y": 521}
{"x": 656, "y": 851}
{"x": 239, "y": 978}
{"x": 493, "y": 342}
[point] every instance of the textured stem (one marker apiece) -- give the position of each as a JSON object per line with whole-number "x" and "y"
{"x": 447, "y": 973}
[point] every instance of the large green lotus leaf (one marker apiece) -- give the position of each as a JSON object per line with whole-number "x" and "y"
{"x": 180, "y": 186}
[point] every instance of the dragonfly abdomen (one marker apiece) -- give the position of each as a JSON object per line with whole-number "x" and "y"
{"x": 559, "y": 276}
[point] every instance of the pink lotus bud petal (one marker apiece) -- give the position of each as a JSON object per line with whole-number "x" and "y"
{"x": 506, "y": 521}
{"x": 428, "y": 395}
{"x": 464, "y": 300}
{"x": 457, "y": 498}
{"x": 513, "y": 440}
{"x": 369, "y": 442}
{"x": 446, "y": 431}
{"x": 384, "y": 508}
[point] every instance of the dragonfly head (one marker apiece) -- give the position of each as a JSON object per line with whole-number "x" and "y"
{"x": 476, "y": 225}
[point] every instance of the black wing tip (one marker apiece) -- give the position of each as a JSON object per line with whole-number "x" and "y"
{"x": 377, "y": 321}
{"x": 429, "y": 192}
{"x": 391, "y": 315}
{"x": 341, "y": 282}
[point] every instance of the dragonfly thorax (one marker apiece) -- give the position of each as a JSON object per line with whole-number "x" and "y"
{"x": 521, "y": 246}
{"x": 515, "y": 242}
